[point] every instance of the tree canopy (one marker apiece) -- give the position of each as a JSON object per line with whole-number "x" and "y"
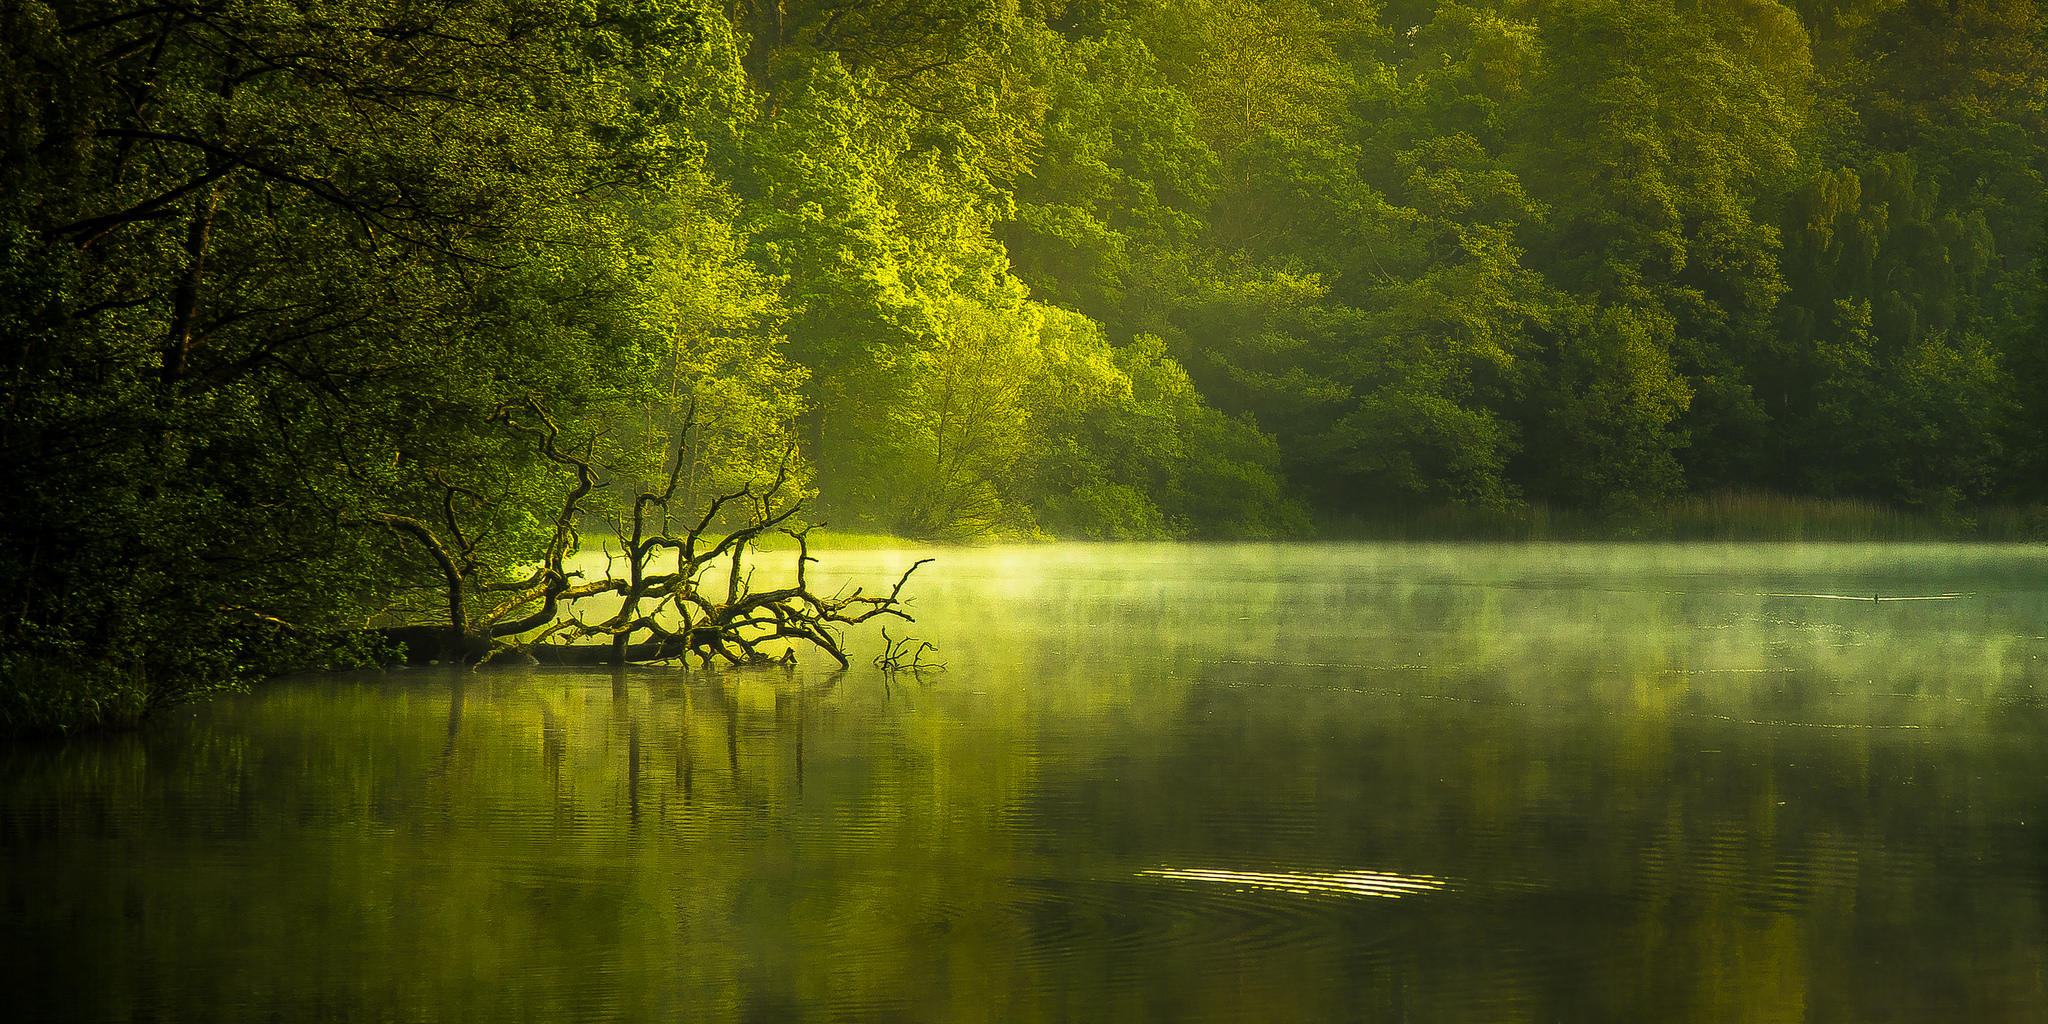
{"x": 276, "y": 276}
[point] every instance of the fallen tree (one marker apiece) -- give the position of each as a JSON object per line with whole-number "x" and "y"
{"x": 678, "y": 594}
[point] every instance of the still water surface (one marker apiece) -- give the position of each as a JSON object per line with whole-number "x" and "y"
{"x": 1158, "y": 783}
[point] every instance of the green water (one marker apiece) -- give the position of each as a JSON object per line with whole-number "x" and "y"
{"x": 1252, "y": 783}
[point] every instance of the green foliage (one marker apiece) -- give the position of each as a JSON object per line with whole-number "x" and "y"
{"x": 44, "y": 694}
{"x": 280, "y": 267}
{"x": 270, "y": 274}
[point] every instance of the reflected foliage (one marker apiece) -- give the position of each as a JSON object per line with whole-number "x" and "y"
{"x": 1648, "y": 782}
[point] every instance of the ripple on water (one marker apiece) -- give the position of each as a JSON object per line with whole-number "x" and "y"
{"x": 1212, "y": 913}
{"x": 1333, "y": 884}
{"x": 1762, "y": 874}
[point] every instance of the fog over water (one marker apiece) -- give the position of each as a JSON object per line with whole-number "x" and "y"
{"x": 1155, "y": 782}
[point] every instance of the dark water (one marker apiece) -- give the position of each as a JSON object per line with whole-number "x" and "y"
{"x": 1432, "y": 783}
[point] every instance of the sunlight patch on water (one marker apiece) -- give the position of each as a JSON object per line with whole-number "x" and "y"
{"x": 1338, "y": 883}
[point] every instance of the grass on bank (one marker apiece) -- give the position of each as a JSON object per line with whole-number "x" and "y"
{"x": 48, "y": 696}
{"x": 1730, "y": 516}
{"x": 1734, "y": 516}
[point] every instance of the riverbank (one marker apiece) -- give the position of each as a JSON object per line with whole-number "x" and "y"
{"x": 42, "y": 697}
{"x": 1716, "y": 517}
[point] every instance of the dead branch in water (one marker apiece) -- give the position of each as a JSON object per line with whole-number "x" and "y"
{"x": 680, "y": 594}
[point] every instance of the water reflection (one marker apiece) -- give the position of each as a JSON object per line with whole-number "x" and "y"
{"x": 1305, "y": 883}
{"x": 1157, "y": 784}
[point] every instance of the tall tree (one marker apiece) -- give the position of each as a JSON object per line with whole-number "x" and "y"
{"x": 284, "y": 263}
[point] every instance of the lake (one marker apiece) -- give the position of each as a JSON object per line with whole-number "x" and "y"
{"x": 1154, "y": 783}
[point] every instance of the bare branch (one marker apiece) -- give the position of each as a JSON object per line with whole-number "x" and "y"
{"x": 660, "y": 616}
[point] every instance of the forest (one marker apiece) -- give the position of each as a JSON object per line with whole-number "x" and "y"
{"x": 312, "y": 310}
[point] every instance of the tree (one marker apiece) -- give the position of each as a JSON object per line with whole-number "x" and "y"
{"x": 652, "y": 613}
{"x": 279, "y": 265}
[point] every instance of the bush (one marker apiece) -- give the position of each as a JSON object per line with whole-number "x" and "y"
{"x": 42, "y": 694}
